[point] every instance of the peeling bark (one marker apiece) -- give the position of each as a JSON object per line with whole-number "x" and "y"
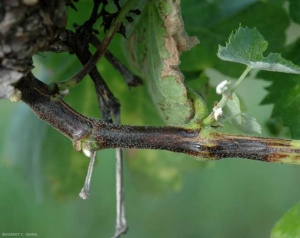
{"x": 26, "y": 27}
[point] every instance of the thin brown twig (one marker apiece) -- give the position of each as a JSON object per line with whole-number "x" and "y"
{"x": 109, "y": 105}
{"x": 88, "y": 66}
{"x": 130, "y": 79}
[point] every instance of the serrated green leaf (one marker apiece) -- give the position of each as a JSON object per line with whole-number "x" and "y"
{"x": 213, "y": 29}
{"x": 294, "y": 8}
{"x": 243, "y": 121}
{"x": 288, "y": 225}
{"x": 246, "y": 46}
{"x": 284, "y": 93}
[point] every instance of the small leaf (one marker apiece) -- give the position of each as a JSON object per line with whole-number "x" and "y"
{"x": 246, "y": 46}
{"x": 288, "y": 225}
{"x": 244, "y": 122}
{"x": 232, "y": 108}
{"x": 249, "y": 124}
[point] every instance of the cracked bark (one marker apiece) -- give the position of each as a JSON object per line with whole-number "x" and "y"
{"x": 26, "y": 29}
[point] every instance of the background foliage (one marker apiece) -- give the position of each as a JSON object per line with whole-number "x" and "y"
{"x": 167, "y": 194}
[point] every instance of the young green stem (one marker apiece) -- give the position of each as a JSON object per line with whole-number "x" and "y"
{"x": 241, "y": 78}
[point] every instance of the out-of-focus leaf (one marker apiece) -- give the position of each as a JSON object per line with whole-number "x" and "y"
{"x": 246, "y": 46}
{"x": 243, "y": 121}
{"x": 284, "y": 93}
{"x": 158, "y": 171}
{"x": 294, "y": 9}
{"x": 213, "y": 21}
{"x": 288, "y": 225}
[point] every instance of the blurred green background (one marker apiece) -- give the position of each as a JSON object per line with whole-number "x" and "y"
{"x": 167, "y": 194}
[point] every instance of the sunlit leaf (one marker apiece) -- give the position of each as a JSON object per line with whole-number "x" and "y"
{"x": 218, "y": 19}
{"x": 246, "y": 46}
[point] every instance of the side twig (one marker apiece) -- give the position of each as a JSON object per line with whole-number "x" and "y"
{"x": 109, "y": 105}
{"x": 130, "y": 79}
{"x": 74, "y": 80}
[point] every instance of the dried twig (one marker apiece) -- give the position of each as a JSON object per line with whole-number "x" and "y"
{"x": 74, "y": 80}
{"x": 85, "y": 191}
{"x": 131, "y": 79}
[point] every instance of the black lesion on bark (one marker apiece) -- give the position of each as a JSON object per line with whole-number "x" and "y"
{"x": 166, "y": 138}
{"x": 240, "y": 148}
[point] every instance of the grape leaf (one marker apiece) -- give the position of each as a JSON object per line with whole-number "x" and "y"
{"x": 246, "y": 46}
{"x": 284, "y": 93}
{"x": 155, "y": 42}
{"x": 288, "y": 225}
{"x": 213, "y": 29}
{"x": 243, "y": 121}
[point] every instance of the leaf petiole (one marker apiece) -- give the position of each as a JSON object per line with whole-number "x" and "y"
{"x": 241, "y": 78}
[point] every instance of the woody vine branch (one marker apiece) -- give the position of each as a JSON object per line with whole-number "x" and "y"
{"x": 92, "y": 134}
